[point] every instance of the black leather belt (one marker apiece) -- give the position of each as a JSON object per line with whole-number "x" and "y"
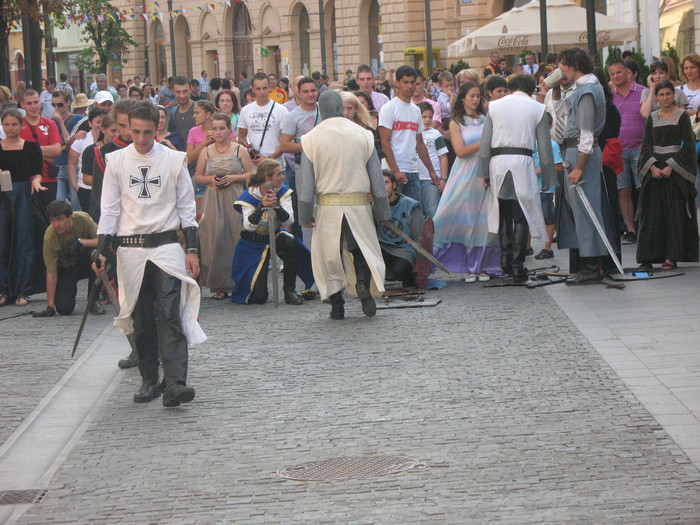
{"x": 511, "y": 151}
{"x": 573, "y": 143}
{"x": 147, "y": 240}
{"x": 254, "y": 237}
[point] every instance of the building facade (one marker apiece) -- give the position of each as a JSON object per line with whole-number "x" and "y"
{"x": 284, "y": 36}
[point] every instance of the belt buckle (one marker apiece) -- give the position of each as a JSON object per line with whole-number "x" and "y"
{"x": 140, "y": 240}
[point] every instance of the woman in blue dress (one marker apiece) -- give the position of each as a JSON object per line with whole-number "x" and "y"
{"x": 462, "y": 241}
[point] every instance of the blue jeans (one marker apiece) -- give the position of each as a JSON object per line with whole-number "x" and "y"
{"x": 429, "y": 197}
{"x": 63, "y": 189}
{"x": 412, "y": 187}
{"x": 627, "y": 178}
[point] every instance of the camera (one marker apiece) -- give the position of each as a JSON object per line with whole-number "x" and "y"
{"x": 253, "y": 153}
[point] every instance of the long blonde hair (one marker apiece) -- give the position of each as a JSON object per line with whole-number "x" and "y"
{"x": 361, "y": 114}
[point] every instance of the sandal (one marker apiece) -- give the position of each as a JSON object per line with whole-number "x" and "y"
{"x": 218, "y": 296}
{"x": 4, "y": 299}
{"x": 669, "y": 265}
{"x": 645, "y": 267}
{"x": 22, "y": 301}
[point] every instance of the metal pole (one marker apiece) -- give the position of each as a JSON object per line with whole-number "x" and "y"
{"x": 543, "y": 29}
{"x": 172, "y": 37}
{"x": 322, "y": 26}
{"x": 590, "y": 24}
{"x": 428, "y": 39}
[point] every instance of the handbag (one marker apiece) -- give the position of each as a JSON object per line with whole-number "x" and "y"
{"x": 612, "y": 155}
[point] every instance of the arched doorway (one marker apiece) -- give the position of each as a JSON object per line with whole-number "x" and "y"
{"x": 303, "y": 50}
{"x": 183, "y": 52}
{"x": 242, "y": 45}
{"x": 331, "y": 39}
{"x": 158, "y": 58}
{"x": 371, "y": 48}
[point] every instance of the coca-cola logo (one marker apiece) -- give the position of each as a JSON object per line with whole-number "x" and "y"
{"x": 602, "y": 37}
{"x": 514, "y": 41}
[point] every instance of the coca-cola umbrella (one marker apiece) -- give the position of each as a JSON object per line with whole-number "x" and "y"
{"x": 518, "y": 30}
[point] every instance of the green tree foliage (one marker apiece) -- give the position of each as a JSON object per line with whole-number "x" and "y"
{"x": 105, "y": 34}
{"x": 32, "y": 11}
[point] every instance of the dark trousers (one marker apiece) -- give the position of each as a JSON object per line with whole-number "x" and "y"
{"x": 67, "y": 283}
{"x": 286, "y": 246}
{"x": 510, "y": 210}
{"x": 399, "y": 269}
{"x": 157, "y": 327}
{"x": 85, "y": 201}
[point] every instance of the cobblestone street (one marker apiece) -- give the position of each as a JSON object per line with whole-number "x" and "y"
{"x": 516, "y": 413}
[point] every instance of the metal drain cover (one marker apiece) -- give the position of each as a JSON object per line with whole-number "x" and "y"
{"x": 21, "y": 497}
{"x": 350, "y": 468}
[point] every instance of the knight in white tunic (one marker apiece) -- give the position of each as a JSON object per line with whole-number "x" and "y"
{"x": 514, "y": 127}
{"x": 147, "y": 196}
{"x": 339, "y": 170}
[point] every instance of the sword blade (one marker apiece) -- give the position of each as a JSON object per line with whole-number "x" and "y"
{"x": 598, "y": 226}
{"x": 91, "y": 298}
{"x": 273, "y": 254}
{"x": 417, "y": 246}
{"x": 110, "y": 291}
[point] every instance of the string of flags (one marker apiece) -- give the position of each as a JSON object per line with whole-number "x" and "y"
{"x": 150, "y": 11}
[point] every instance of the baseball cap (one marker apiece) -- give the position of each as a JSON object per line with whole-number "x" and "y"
{"x": 103, "y": 96}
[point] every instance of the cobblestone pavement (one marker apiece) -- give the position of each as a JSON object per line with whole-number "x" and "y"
{"x": 35, "y": 353}
{"x": 519, "y": 418}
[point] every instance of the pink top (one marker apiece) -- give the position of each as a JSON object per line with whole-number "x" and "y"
{"x": 197, "y": 135}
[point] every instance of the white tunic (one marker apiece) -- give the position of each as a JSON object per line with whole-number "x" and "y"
{"x": 515, "y": 119}
{"x": 150, "y": 193}
{"x": 339, "y": 150}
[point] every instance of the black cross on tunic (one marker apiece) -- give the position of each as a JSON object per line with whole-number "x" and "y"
{"x": 144, "y": 181}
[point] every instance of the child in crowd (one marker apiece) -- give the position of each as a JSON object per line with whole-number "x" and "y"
{"x": 437, "y": 149}
{"x": 446, "y": 98}
{"x": 547, "y": 196}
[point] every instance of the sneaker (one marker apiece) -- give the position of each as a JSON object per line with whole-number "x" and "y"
{"x": 544, "y": 254}
{"x": 529, "y": 252}
{"x": 470, "y": 278}
{"x": 629, "y": 238}
{"x": 483, "y": 277}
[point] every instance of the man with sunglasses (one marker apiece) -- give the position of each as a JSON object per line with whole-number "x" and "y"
{"x": 66, "y": 122}
{"x": 43, "y": 131}
{"x": 45, "y": 97}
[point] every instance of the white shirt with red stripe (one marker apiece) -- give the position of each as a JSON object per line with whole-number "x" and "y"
{"x": 404, "y": 121}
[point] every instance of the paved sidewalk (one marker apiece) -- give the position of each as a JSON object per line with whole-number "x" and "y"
{"x": 504, "y": 395}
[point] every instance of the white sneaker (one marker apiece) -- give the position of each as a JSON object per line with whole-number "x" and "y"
{"x": 483, "y": 277}
{"x": 470, "y": 278}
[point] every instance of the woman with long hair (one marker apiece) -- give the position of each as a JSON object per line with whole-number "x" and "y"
{"x": 173, "y": 139}
{"x": 354, "y": 110}
{"x": 22, "y": 269}
{"x": 668, "y": 228}
{"x": 366, "y": 101}
{"x": 462, "y": 241}
{"x": 223, "y": 167}
{"x": 227, "y": 103}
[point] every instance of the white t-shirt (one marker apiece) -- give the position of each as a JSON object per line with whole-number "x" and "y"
{"x": 693, "y": 97}
{"x": 79, "y": 146}
{"x": 253, "y": 118}
{"x": 435, "y": 144}
{"x": 404, "y": 121}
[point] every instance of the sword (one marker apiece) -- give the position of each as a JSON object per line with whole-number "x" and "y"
{"x": 91, "y": 299}
{"x": 273, "y": 248}
{"x": 598, "y": 226}
{"x": 417, "y": 246}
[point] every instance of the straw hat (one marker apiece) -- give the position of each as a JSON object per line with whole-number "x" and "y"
{"x": 82, "y": 101}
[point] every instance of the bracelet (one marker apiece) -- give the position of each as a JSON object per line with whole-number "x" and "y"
{"x": 192, "y": 250}
{"x": 443, "y": 178}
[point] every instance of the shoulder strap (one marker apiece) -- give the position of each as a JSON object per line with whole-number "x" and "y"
{"x": 99, "y": 159}
{"x": 266, "y": 123}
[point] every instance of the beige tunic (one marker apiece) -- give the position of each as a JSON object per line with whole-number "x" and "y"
{"x": 339, "y": 151}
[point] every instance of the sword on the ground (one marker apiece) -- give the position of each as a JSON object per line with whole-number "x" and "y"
{"x": 91, "y": 299}
{"x": 598, "y": 226}
{"x": 417, "y": 246}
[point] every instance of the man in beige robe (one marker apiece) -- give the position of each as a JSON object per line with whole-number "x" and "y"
{"x": 339, "y": 171}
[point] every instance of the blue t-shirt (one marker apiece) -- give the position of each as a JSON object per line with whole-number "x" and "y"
{"x": 557, "y": 160}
